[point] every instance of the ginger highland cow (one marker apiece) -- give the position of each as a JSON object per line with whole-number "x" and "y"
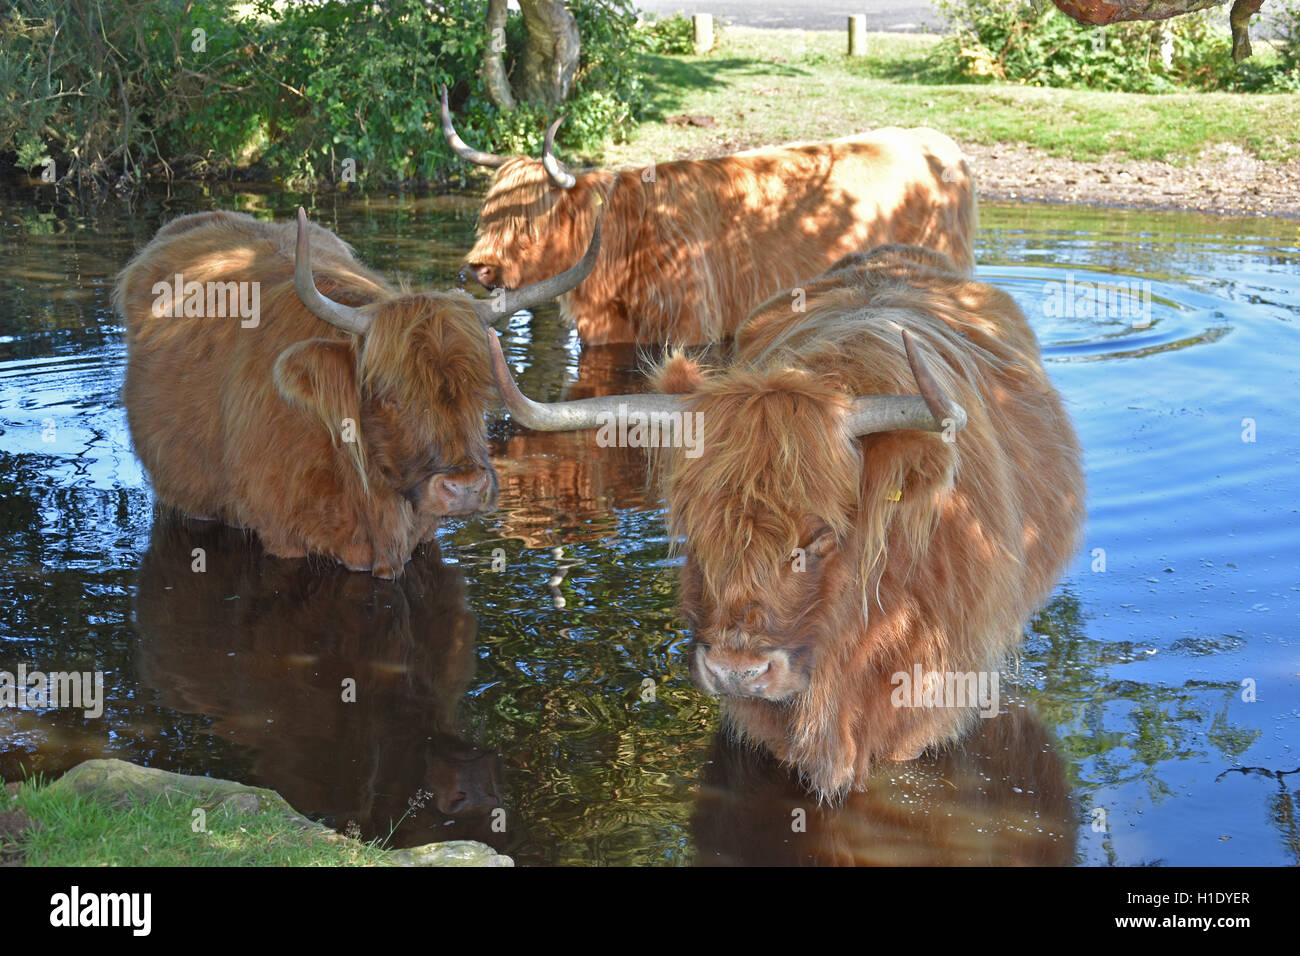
{"x": 839, "y": 532}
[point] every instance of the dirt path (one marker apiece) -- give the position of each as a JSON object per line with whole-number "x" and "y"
{"x": 1225, "y": 179}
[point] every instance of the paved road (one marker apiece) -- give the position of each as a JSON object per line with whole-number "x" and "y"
{"x": 908, "y": 15}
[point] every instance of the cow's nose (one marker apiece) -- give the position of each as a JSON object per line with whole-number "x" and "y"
{"x": 489, "y": 277}
{"x": 737, "y": 673}
{"x": 453, "y": 803}
{"x": 463, "y": 492}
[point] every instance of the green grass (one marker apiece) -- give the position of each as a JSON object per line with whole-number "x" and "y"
{"x": 77, "y": 831}
{"x": 772, "y": 86}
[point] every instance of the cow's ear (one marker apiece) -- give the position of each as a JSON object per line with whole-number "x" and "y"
{"x": 320, "y": 377}
{"x": 906, "y": 468}
{"x": 677, "y": 375}
{"x": 905, "y": 475}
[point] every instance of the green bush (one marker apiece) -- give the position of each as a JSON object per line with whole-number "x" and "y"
{"x": 1031, "y": 42}
{"x": 1285, "y": 20}
{"x": 668, "y": 35}
{"x": 118, "y": 91}
{"x": 75, "y": 76}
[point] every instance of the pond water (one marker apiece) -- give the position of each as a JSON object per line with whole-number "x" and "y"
{"x": 530, "y": 672}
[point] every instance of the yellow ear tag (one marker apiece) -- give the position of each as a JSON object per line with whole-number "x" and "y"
{"x": 895, "y": 495}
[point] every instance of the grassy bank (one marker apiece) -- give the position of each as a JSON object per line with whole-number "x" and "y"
{"x": 771, "y": 86}
{"x": 49, "y": 826}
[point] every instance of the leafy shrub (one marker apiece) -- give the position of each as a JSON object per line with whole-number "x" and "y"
{"x": 82, "y": 82}
{"x": 668, "y": 35}
{"x": 118, "y": 90}
{"x": 609, "y": 92}
{"x": 1029, "y": 41}
{"x": 351, "y": 81}
{"x": 1285, "y": 21}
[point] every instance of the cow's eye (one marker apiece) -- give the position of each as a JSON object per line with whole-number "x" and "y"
{"x": 381, "y": 403}
{"x": 820, "y": 543}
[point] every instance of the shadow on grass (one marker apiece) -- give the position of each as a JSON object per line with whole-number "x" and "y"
{"x": 915, "y": 70}
{"x": 670, "y": 80}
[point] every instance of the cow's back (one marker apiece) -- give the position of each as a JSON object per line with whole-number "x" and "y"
{"x": 191, "y": 380}
{"x": 919, "y": 190}
{"x": 717, "y": 237}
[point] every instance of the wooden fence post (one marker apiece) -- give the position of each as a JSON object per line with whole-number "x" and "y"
{"x": 703, "y": 23}
{"x": 858, "y": 34}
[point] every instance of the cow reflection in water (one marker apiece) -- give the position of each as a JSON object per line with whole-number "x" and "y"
{"x": 558, "y": 488}
{"x": 998, "y": 798}
{"x": 264, "y": 646}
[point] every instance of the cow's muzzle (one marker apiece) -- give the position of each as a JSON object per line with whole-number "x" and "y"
{"x": 463, "y": 492}
{"x": 489, "y": 277}
{"x": 768, "y": 674}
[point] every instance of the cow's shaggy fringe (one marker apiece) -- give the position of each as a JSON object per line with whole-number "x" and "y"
{"x": 691, "y": 247}
{"x": 952, "y": 543}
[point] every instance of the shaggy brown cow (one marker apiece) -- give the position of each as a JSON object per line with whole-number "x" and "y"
{"x": 691, "y": 247}
{"x": 309, "y": 401}
{"x": 836, "y": 542}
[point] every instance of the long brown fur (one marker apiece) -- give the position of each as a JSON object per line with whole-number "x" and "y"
{"x": 691, "y": 247}
{"x": 919, "y": 550}
{"x": 249, "y": 425}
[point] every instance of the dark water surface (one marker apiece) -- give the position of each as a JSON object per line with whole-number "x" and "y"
{"x": 547, "y": 679}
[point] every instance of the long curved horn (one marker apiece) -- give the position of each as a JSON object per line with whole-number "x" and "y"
{"x": 345, "y": 317}
{"x": 872, "y": 413}
{"x": 502, "y": 303}
{"x": 925, "y": 412}
{"x": 572, "y": 415}
{"x": 559, "y": 176}
{"x": 459, "y": 146}
{"x": 940, "y": 405}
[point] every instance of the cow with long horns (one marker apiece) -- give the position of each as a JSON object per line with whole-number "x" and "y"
{"x": 337, "y": 416}
{"x": 843, "y": 536}
{"x": 692, "y": 246}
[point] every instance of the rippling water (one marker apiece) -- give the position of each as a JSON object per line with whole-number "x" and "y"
{"x": 533, "y": 664}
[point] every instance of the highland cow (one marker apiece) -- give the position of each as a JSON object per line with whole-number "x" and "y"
{"x": 838, "y": 532}
{"x": 342, "y": 417}
{"x": 691, "y": 247}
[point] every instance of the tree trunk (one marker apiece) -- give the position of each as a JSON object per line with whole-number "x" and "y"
{"x": 550, "y": 58}
{"x": 494, "y": 62}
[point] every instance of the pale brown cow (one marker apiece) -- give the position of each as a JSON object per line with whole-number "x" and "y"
{"x": 691, "y": 247}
